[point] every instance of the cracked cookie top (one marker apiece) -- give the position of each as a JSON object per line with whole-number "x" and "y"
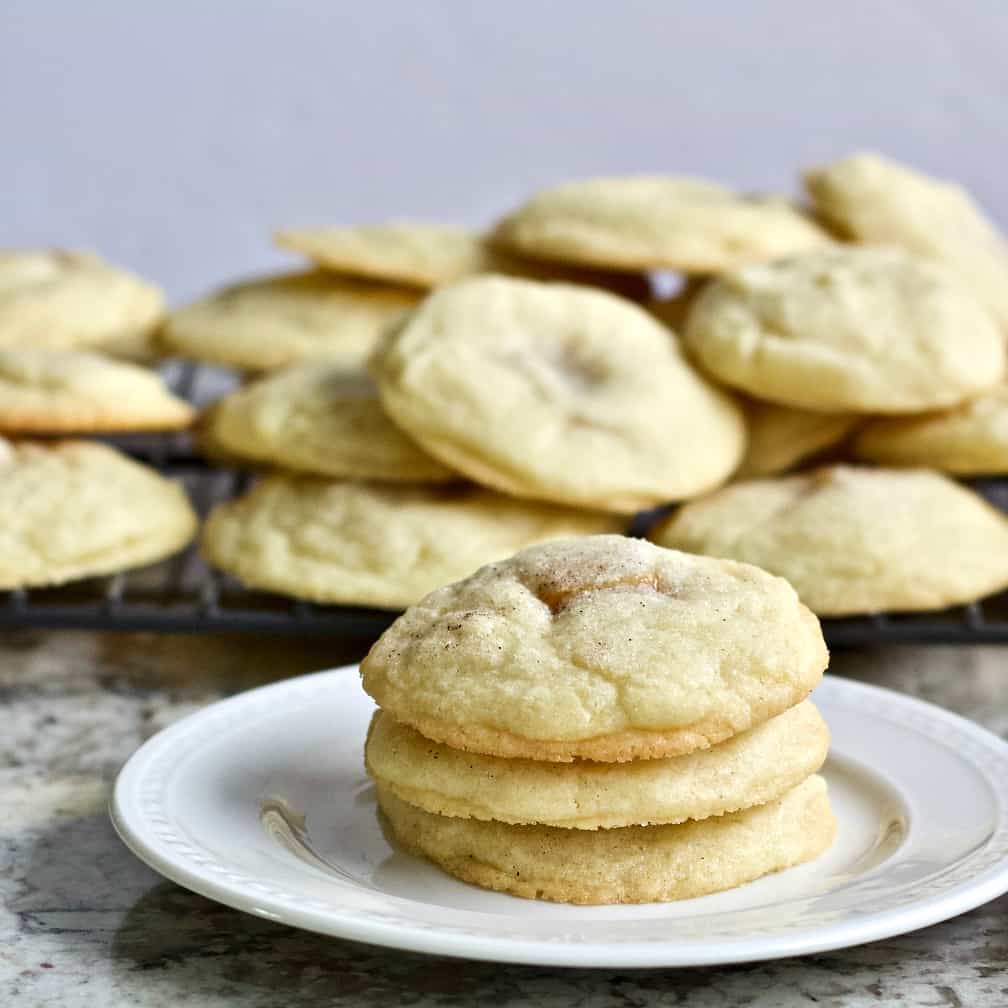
{"x": 847, "y": 329}
{"x": 559, "y": 393}
{"x": 75, "y": 509}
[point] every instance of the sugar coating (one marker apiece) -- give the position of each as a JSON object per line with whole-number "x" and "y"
{"x": 847, "y": 329}
{"x": 635, "y": 864}
{"x": 76, "y": 509}
{"x": 557, "y": 392}
{"x": 655, "y": 222}
{"x": 601, "y": 647}
{"x": 748, "y": 769}
{"x": 855, "y": 540}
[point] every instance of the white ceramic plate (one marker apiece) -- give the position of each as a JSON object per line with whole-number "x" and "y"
{"x": 261, "y": 802}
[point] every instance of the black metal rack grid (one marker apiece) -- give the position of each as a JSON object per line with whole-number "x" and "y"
{"x": 183, "y": 595}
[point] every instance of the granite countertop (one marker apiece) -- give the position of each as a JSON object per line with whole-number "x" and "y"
{"x": 83, "y": 922}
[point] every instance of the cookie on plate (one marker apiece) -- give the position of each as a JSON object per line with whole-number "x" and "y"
{"x": 319, "y": 418}
{"x": 557, "y": 393}
{"x": 275, "y": 321}
{"x": 75, "y": 509}
{"x": 635, "y": 864}
{"x": 374, "y": 544}
{"x": 56, "y": 391}
{"x": 781, "y": 437}
{"x": 855, "y": 540}
{"x": 60, "y": 300}
{"x": 847, "y": 329}
{"x": 655, "y": 222}
{"x": 748, "y": 769}
{"x": 874, "y": 200}
{"x": 969, "y": 440}
{"x": 562, "y": 651}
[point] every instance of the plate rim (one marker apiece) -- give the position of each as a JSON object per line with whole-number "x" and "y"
{"x": 960, "y": 897}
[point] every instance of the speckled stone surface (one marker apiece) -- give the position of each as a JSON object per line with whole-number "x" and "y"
{"x": 82, "y": 922}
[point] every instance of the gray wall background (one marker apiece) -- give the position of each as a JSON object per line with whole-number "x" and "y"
{"x": 174, "y": 136}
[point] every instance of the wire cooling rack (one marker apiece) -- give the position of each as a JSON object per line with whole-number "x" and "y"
{"x": 183, "y": 595}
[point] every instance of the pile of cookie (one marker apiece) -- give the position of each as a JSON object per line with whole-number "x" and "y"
{"x": 78, "y": 508}
{"x": 360, "y": 508}
{"x": 426, "y": 399}
{"x": 868, "y": 327}
{"x": 601, "y": 720}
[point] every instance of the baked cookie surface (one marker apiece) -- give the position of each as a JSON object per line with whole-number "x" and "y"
{"x": 847, "y": 329}
{"x": 60, "y": 300}
{"x": 271, "y": 322}
{"x": 428, "y": 255}
{"x": 855, "y": 540}
{"x": 374, "y": 544}
{"x": 562, "y": 651}
{"x": 319, "y": 418}
{"x": 75, "y": 509}
{"x": 752, "y": 768}
{"x": 969, "y": 440}
{"x": 558, "y": 393}
{"x": 655, "y": 222}
{"x": 54, "y": 391}
{"x": 635, "y": 864}
{"x": 406, "y": 252}
{"x": 875, "y": 200}
{"x": 780, "y": 437}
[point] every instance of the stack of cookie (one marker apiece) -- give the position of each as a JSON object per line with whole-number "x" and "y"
{"x": 600, "y": 721}
{"x": 73, "y": 508}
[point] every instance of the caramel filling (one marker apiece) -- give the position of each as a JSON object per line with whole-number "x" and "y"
{"x": 557, "y": 596}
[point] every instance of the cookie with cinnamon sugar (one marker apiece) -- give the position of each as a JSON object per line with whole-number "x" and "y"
{"x": 602, "y": 647}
